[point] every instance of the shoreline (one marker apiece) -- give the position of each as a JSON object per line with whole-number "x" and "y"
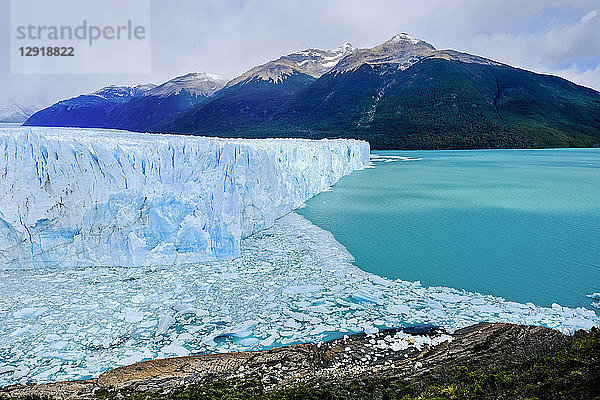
{"x": 390, "y": 354}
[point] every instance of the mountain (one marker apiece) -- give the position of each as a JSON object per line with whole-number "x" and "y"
{"x": 130, "y": 107}
{"x": 311, "y": 62}
{"x": 14, "y": 112}
{"x": 402, "y": 51}
{"x": 251, "y": 99}
{"x": 165, "y": 101}
{"x": 196, "y": 83}
{"x": 88, "y": 110}
{"x": 402, "y": 94}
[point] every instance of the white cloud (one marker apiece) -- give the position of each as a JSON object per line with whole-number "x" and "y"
{"x": 589, "y": 77}
{"x": 551, "y": 50}
{"x": 227, "y": 37}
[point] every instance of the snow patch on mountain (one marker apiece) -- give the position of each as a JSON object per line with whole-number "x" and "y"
{"x": 402, "y": 51}
{"x": 312, "y": 62}
{"x": 122, "y": 93}
{"x": 196, "y": 83}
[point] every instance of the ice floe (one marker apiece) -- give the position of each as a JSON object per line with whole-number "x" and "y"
{"x": 292, "y": 283}
{"x": 376, "y": 158}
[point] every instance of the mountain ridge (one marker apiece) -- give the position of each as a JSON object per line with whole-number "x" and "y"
{"x": 130, "y": 107}
{"x": 14, "y": 112}
{"x": 312, "y": 62}
{"x": 401, "y": 94}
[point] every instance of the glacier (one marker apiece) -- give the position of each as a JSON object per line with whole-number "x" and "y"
{"x": 79, "y": 197}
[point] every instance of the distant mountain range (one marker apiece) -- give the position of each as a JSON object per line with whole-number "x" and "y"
{"x": 130, "y": 107}
{"x": 14, "y": 112}
{"x": 402, "y": 94}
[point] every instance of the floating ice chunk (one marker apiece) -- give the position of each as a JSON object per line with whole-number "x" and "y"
{"x": 6, "y": 368}
{"x": 241, "y": 330}
{"x": 138, "y": 298}
{"x": 21, "y": 371}
{"x": 320, "y": 328}
{"x": 345, "y": 303}
{"x": 301, "y": 317}
{"x": 30, "y": 312}
{"x": 209, "y": 340}
{"x": 175, "y": 348}
{"x": 292, "y": 324}
{"x": 190, "y": 310}
{"x": 584, "y": 312}
{"x": 364, "y": 295}
{"x": 249, "y": 342}
{"x": 302, "y": 289}
{"x": 449, "y": 297}
{"x": 147, "y": 324}
{"x": 131, "y": 315}
{"x": 59, "y": 345}
{"x": 179, "y": 306}
{"x": 165, "y": 322}
{"x": 19, "y": 331}
{"x": 185, "y": 336}
{"x": 378, "y": 280}
{"x": 369, "y": 329}
{"x": 398, "y": 309}
{"x": 270, "y": 340}
{"x": 52, "y": 337}
{"x": 376, "y": 158}
{"x": 47, "y": 373}
{"x": 322, "y": 309}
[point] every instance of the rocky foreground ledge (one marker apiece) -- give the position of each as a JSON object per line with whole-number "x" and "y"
{"x": 385, "y": 365}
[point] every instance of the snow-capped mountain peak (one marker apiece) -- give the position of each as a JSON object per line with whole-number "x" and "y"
{"x": 312, "y": 62}
{"x": 124, "y": 93}
{"x": 401, "y": 50}
{"x": 404, "y": 37}
{"x": 197, "y": 83}
{"x": 336, "y": 55}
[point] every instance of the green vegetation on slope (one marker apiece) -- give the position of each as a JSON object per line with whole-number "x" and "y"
{"x": 434, "y": 104}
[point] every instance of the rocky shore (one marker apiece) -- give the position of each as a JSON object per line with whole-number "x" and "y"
{"x": 388, "y": 356}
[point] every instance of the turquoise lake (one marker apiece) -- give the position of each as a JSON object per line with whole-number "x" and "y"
{"x": 521, "y": 224}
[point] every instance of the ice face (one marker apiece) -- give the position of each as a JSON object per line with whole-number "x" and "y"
{"x": 292, "y": 283}
{"x": 75, "y": 197}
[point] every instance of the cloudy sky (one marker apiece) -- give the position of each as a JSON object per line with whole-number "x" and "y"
{"x": 227, "y": 37}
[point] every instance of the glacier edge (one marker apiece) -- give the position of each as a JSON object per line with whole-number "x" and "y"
{"x": 80, "y": 197}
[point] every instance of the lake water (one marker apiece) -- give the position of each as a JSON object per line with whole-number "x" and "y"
{"x": 521, "y": 224}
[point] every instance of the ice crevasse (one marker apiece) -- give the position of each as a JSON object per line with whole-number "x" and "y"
{"x": 79, "y": 197}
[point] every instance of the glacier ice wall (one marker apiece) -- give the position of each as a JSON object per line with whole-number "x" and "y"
{"x": 77, "y": 197}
